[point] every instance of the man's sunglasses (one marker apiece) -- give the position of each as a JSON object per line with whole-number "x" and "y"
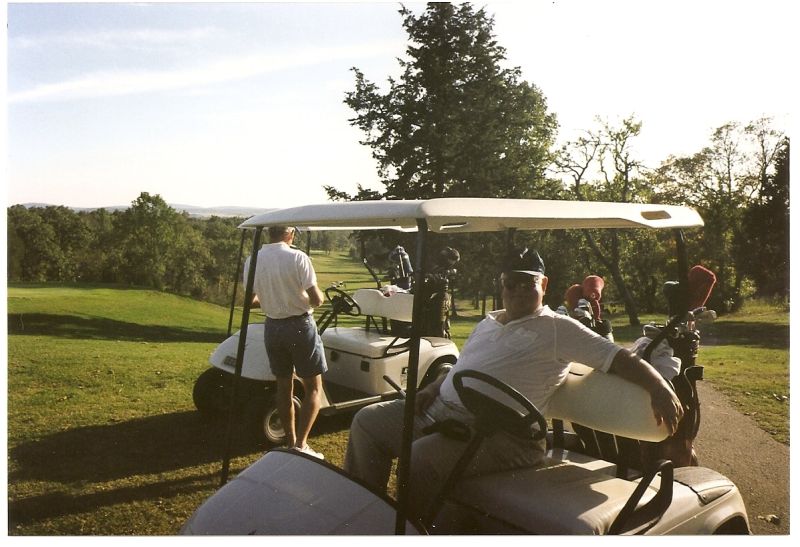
{"x": 514, "y": 281}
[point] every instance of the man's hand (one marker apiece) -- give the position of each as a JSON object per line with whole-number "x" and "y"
{"x": 423, "y": 400}
{"x": 426, "y": 396}
{"x": 667, "y": 408}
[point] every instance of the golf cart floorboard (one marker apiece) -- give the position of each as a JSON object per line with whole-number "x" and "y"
{"x": 342, "y": 397}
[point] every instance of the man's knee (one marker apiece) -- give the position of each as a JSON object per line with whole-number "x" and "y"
{"x": 312, "y": 386}
{"x": 370, "y": 420}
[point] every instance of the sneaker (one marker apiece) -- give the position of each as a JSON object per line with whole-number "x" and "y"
{"x": 310, "y": 451}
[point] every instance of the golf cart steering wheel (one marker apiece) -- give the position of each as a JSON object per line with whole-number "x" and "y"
{"x": 491, "y": 414}
{"x": 342, "y": 302}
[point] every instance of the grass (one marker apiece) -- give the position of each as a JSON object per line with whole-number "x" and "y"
{"x": 103, "y": 438}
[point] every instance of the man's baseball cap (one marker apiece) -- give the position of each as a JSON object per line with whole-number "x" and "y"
{"x": 525, "y": 261}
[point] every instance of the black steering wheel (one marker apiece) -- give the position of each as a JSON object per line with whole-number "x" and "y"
{"x": 342, "y": 302}
{"x": 491, "y": 414}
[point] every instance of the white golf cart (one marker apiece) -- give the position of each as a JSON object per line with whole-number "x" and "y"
{"x": 360, "y": 358}
{"x": 605, "y": 471}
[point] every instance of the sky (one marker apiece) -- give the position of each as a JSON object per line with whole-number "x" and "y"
{"x": 219, "y": 104}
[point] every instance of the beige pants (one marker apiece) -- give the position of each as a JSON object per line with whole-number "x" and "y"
{"x": 376, "y": 436}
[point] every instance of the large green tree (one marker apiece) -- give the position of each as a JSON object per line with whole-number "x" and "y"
{"x": 457, "y": 122}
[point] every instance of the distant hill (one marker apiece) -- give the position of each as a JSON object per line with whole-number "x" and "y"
{"x": 191, "y": 210}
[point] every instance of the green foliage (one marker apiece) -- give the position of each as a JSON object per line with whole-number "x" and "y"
{"x": 766, "y": 230}
{"x": 601, "y": 166}
{"x": 734, "y": 185}
{"x": 456, "y": 123}
{"x": 148, "y": 245}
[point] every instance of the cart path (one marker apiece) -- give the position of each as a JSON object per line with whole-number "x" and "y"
{"x": 732, "y": 444}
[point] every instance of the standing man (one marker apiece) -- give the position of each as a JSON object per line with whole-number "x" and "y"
{"x": 286, "y": 289}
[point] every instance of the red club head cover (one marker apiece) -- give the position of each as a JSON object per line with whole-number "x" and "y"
{"x": 701, "y": 281}
{"x": 593, "y": 287}
{"x": 573, "y": 294}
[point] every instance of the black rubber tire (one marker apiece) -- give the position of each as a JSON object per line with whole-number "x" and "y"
{"x": 441, "y": 364}
{"x": 263, "y": 421}
{"x": 211, "y": 393}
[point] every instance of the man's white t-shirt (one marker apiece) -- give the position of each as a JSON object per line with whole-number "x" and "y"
{"x": 531, "y": 354}
{"x": 283, "y": 275}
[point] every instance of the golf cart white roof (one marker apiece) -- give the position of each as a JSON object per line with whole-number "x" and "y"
{"x": 478, "y": 215}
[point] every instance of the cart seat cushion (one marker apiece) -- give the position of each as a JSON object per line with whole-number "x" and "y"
{"x": 559, "y": 497}
{"x": 605, "y": 402}
{"x": 397, "y": 306}
{"x": 359, "y": 341}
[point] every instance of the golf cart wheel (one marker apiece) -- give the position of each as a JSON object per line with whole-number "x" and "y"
{"x": 265, "y": 422}
{"x": 209, "y": 393}
{"x": 440, "y": 366}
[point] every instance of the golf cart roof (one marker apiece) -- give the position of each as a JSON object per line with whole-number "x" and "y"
{"x": 478, "y": 215}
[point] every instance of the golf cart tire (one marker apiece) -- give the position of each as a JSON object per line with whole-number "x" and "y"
{"x": 263, "y": 420}
{"x": 210, "y": 393}
{"x": 442, "y": 364}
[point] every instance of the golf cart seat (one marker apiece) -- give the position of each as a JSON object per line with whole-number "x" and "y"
{"x": 570, "y": 493}
{"x": 372, "y": 342}
{"x": 359, "y": 357}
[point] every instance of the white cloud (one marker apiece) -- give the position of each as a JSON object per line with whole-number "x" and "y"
{"x": 116, "y": 39}
{"x": 115, "y": 83}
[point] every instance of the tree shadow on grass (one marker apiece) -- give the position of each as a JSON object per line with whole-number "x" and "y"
{"x": 163, "y": 444}
{"x": 96, "y": 328}
{"x": 740, "y": 333}
{"x": 156, "y": 444}
{"x": 743, "y": 333}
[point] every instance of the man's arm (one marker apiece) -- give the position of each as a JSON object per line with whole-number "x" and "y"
{"x": 666, "y": 405}
{"x": 315, "y": 297}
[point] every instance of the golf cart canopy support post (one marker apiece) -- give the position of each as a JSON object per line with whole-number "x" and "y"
{"x": 404, "y": 461}
{"x": 248, "y": 297}
{"x": 451, "y": 215}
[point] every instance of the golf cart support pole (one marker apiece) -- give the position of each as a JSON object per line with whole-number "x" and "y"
{"x": 404, "y": 461}
{"x": 248, "y": 298}
{"x": 236, "y": 281}
{"x": 683, "y": 271}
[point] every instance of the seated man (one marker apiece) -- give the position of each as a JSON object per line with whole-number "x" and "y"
{"x": 525, "y": 345}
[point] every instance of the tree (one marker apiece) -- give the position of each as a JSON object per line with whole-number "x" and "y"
{"x": 607, "y": 153}
{"x": 766, "y": 225}
{"x": 456, "y": 123}
{"x": 148, "y": 229}
{"x": 723, "y": 181}
{"x": 102, "y": 259}
{"x": 33, "y": 251}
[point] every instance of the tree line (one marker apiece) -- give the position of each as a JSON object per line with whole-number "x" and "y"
{"x": 459, "y": 122}
{"x": 150, "y": 244}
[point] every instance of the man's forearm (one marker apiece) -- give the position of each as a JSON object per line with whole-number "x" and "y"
{"x": 636, "y": 370}
{"x": 315, "y": 297}
{"x": 666, "y": 405}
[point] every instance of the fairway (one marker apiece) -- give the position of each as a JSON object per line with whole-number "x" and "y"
{"x": 103, "y": 437}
